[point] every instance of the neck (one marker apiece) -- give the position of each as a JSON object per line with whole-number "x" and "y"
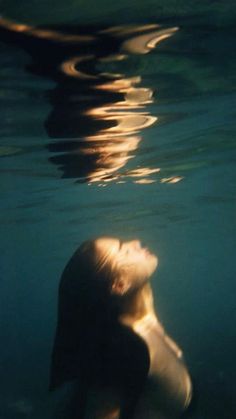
{"x": 137, "y": 306}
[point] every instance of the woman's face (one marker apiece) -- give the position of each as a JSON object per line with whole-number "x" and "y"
{"x": 129, "y": 259}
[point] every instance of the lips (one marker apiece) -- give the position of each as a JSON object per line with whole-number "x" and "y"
{"x": 147, "y": 251}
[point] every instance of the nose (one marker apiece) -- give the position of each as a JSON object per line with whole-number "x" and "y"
{"x": 136, "y": 244}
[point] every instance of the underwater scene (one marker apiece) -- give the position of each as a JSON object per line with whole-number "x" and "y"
{"x": 117, "y": 228}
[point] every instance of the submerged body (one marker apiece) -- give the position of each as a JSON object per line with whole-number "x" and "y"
{"x": 166, "y": 390}
{"x": 125, "y": 366}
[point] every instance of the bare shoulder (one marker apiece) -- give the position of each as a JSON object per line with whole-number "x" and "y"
{"x": 169, "y": 384}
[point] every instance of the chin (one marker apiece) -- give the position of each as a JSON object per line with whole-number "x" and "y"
{"x": 148, "y": 266}
{"x": 152, "y": 264}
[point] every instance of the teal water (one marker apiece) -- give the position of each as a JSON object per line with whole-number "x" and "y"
{"x": 174, "y": 189}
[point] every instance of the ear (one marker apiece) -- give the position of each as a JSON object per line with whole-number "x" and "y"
{"x": 120, "y": 286}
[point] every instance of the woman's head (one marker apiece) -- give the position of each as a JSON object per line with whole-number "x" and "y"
{"x": 110, "y": 266}
{"x": 95, "y": 280}
{"x": 130, "y": 265}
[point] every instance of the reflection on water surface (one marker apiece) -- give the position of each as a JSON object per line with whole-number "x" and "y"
{"x": 97, "y": 117}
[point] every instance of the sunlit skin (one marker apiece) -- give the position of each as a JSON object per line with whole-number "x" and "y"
{"x": 134, "y": 263}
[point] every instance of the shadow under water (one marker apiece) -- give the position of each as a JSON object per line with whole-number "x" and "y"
{"x": 97, "y": 117}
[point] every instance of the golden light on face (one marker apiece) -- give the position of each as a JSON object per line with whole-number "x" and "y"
{"x": 131, "y": 263}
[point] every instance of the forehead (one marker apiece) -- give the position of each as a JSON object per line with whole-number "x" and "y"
{"x": 107, "y": 245}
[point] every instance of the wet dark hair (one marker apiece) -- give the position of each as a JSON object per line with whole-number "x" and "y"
{"x": 85, "y": 307}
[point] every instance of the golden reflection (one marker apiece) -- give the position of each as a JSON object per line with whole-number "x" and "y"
{"x": 144, "y": 181}
{"x": 122, "y": 120}
{"x": 114, "y": 144}
{"x": 109, "y": 336}
{"x": 111, "y": 156}
{"x": 97, "y": 118}
{"x": 142, "y": 44}
{"x": 69, "y": 67}
{"x": 172, "y": 179}
{"x": 31, "y": 31}
{"x": 144, "y": 171}
{"x": 125, "y": 117}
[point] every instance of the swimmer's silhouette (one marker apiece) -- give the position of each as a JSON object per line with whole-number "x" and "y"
{"x": 96, "y": 116}
{"x": 109, "y": 339}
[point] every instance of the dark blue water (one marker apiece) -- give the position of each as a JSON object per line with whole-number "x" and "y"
{"x": 160, "y": 166}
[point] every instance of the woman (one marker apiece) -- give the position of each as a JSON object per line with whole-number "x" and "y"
{"x": 109, "y": 339}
